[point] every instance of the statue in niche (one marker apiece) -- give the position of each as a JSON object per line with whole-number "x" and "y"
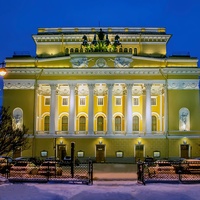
{"x": 184, "y": 119}
{"x": 17, "y": 122}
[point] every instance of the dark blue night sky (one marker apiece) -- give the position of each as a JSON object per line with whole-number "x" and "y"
{"x": 19, "y": 19}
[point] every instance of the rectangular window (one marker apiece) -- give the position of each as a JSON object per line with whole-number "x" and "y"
{"x": 118, "y": 101}
{"x": 153, "y": 101}
{"x": 100, "y": 101}
{"x": 47, "y": 101}
{"x": 136, "y": 101}
{"x": 65, "y": 101}
{"x": 82, "y": 101}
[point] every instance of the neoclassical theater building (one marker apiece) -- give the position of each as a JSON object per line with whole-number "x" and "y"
{"x": 111, "y": 90}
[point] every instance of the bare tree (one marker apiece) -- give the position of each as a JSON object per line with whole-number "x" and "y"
{"x": 11, "y": 139}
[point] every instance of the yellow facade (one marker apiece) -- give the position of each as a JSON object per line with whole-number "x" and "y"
{"x": 113, "y": 87}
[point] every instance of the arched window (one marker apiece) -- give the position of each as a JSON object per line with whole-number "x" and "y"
{"x": 64, "y": 123}
{"x": 82, "y": 123}
{"x": 81, "y": 50}
{"x": 135, "y": 51}
{"x": 120, "y": 49}
{"x": 135, "y": 123}
{"x": 130, "y": 50}
{"x": 154, "y": 123}
{"x": 100, "y": 123}
{"x": 125, "y": 50}
{"x": 71, "y": 50}
{"x": 76, "y": 50}
{"x": 118, "y": 123}
{"x": 46, "y": 123}
{"x": 67, "y": 51}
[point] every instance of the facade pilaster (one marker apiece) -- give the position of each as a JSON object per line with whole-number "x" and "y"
{"x": 91, "y": 109}
{"x": 72, "y": 109}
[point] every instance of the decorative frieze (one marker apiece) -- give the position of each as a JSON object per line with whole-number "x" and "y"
{"x": 183, "y": 84}
{"x": 19, "y": 84}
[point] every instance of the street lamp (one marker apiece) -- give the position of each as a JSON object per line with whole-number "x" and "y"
{"x": 2, "y": 69}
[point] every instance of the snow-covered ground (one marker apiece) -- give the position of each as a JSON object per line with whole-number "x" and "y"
{"x": 100, "y": 190}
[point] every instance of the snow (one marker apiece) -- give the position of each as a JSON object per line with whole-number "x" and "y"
{"x": 100, "y": 190}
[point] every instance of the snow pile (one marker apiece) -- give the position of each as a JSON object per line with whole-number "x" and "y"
{"x": 100, "y": 190}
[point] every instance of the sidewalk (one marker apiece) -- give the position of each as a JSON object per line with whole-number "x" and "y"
{"x": 111, "y": 172}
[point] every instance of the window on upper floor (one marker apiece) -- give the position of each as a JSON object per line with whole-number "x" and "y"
{"x": 154, "y": 123}
{"x": 153, "y": 101}
{"x": 100, "y": 101}
{"x": 135, "y": 123}
{"x": 64, "y": 123}
{"x": 100, "y": 123}
{"x": 65, "y": 101}
{"x": 82, "y": 101}
{"x": 82, "y": 123}
{"x": 136, "y": 101}
{"x": 118, "y": 123}
{"x": 47, "y": 101}
{"x": 118, "y": 101}
{"x": 46, "y": 123}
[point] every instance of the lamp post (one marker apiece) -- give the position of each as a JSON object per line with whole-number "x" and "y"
{"x": 2, "y": 74}
{"x": 2, "y": 69}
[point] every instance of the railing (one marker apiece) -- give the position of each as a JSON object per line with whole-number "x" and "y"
{"x": 82, "y": 173}
{"x": 166, "y": 171}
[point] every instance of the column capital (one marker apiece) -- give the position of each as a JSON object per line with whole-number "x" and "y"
{"x": 72, "y": 85}
{"x": 53, "y": 86}
{"x": 110, "y": 86}
{"x": 129, "y": 86}
{"x": 91, "y": 86}
{"x": 148, "y": 86}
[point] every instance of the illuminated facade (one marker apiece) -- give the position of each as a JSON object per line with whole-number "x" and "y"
{"x": 112, "y": 91}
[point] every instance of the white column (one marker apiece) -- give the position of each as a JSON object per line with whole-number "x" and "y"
{"x": 52, "y": 109}
{"x": 36, "y": 115}
{"x": 148, "y": 109}
{"x": 165, "y": 109}
{"x": 109, "y": 108}
{"x": 91, "y": 109}
{"x": 129, "y": 117}
{"x": 143, "y": 111}
{"x": 72, "y": 110}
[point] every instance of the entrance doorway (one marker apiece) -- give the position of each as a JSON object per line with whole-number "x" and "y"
{"x": 100, "y": 153}
{"x": 61, "y": 151}
{"x": 139, "y": 152}
{"x": 184, "y": 151}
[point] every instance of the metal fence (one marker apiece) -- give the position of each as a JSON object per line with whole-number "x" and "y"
{"x": 166, "y": 171}
{"x": 81, "y": 173}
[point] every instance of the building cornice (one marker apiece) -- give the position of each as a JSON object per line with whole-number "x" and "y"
{"x": 104, "y": 71}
